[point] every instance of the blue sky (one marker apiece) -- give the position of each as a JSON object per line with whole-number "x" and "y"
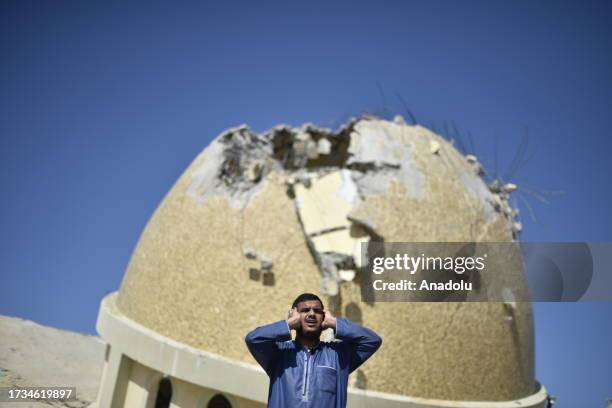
{"x": 103, "y": 105}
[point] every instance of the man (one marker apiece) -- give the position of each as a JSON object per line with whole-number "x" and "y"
{"x": 307, "y": 372}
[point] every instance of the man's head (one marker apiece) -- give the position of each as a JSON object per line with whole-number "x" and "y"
{"x": 311, "y": 311}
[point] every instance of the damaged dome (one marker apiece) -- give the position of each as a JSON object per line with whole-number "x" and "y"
{"x": 328, "y": 176}
{"x": 257, "y": 219}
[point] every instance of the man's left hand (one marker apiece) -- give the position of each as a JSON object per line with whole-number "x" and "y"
{"x": 329, "y": 321}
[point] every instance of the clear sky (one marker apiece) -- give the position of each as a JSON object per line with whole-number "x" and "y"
{"x": 103, "y": 105}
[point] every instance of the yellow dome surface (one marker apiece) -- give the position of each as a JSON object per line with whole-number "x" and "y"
{"x": 238, "y": 237}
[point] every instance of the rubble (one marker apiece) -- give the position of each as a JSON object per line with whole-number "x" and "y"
{"x": 399, "y": 120}
{"x": 500, "y": 203}
{"x": 266, "y": 264}
{"x": 324, "y": 146}
{"x": 328, "y": 175}
{"x": 434, "y": 146}
{"x": 476, "y": 165}
{"x": 510, "y": 187}
{"x": 255, "y": 171}
{"x": 249, "y": 253}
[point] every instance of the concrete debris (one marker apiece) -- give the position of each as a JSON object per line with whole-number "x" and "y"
{"x": 347, "y": 275}
{"x": 331, "y": 264}
{"x": 510, "y": 187}
{"x": 478, "y": 168}
{"x": 501, "y": 204}
{"x": 497, "y": 187}
{"x": 434, "y": 146}
{"x": 243, "y": 149}
{"x": 312, "y": 151}
{"x": 399, "y": 120}
{"x": 477, "y": 189}
{"x": 255, "y": 170}
{"x": 300, "y": 178}
{"x": 323, "y": 209}
{"x": 232, "y": 167}
{"x": 237, "y": 162}
{"x": 365, "y": 224}
{"x": 321, "y": 206}
{"x": 372, "y": 182}
{"x": 377, "y": 156}
{"x": 266, "y": 264}
{"x": 300, "y": 148}
{"x": 283, "y": 138}
{"x": 374, "y": 145}
{"x": 304, "y": 149}
{"x": 249, "y": 253}
{"x": 328, "y": 175}
{"x": 324, "y": 146}
{"x": 341, "y": 242}
{"x": 508, "y": 297}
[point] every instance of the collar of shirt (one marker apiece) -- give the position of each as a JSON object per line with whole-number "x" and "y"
{"x": 299, "y": 347}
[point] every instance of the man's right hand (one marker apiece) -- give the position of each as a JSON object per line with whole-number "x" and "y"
{"x": 294, "y": 319}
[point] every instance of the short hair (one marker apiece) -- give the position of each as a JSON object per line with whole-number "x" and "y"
{"x": 305, "y": 297}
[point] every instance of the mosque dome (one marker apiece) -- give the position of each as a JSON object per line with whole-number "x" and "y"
{"x": 257, "y": 219}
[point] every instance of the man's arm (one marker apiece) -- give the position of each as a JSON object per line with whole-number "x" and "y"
{"x": 262, "y": 341}
{"x": 360, "y": 342}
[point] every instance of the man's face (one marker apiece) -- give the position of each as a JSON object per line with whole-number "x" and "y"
{"x": 311, "y": 316}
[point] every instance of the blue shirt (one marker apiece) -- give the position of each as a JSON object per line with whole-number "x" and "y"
{"x": 304, "y": 378}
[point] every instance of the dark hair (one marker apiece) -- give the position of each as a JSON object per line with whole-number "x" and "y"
{"x": 305, "y": 297}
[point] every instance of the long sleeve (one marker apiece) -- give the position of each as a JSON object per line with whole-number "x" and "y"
{"x": 359, "y": 342}
{"x": 262, "y": 343}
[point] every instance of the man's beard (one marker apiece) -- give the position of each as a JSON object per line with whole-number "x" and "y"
{"x": 311, "y": 335}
